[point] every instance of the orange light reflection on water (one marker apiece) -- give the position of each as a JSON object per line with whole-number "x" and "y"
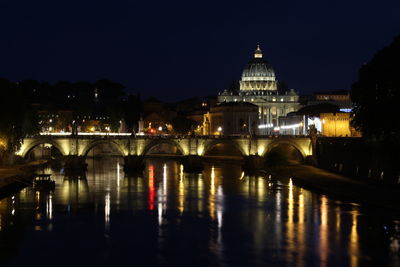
{"x": 151, "y": 187}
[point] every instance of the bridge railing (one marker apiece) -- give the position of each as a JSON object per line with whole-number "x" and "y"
{"x": 163, "y": 136}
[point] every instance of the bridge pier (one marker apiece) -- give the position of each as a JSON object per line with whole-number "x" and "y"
{"x": 75, "y": 163}
{"x": 134, "y": 163}
{"x": 193, "y": 163}
{"x": 252, "y": 163}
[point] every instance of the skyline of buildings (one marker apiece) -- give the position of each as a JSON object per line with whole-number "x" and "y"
{"x": 259, "y": 106}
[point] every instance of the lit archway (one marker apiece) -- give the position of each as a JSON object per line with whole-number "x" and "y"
{"x": 44, "y": 149}
{"x": 285, "y": 150}
{"x": 103, "y": 148}
{"x": 223, "y": 148}
{"x": 163, "y": 148}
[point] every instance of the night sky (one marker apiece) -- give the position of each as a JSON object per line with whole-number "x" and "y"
{"x": 177, "y": 49}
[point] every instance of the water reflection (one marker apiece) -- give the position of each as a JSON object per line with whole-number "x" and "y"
{"x": 301, "y": 237}
{"x": 323, "y": 231}
{"x": 290, "y": 225}
{"x": 151, "y": 187}
{"x": 107, "y": 208}
{"x": 218, "y": 217}
{"x": 181, "y": 191}
{"x": 354, "y": 245}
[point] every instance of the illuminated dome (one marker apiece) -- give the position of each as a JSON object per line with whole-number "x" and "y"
{"x": 258, "y": 75}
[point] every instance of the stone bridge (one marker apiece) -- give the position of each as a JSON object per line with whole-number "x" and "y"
{"x": 187, "y": 145}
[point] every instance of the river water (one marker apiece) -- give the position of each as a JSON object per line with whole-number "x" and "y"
{"x": 166, "y": 217}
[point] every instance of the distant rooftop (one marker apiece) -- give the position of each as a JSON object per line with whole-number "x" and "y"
{"x": 336, "y": 92}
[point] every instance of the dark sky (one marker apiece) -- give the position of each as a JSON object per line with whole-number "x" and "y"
{"x": 177, "y": 49}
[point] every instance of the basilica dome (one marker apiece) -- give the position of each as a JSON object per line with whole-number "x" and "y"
{"x": 258, "y": 74}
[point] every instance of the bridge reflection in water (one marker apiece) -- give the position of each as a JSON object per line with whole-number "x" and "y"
{"x": 217, "y": 217}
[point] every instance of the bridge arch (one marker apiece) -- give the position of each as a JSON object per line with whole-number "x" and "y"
{"x": 26, "y": 150}
{"x": 286, "y": 144}
{"x": 156, "y": 143}
{"x": 95, "y": 143}
{"x": 210, "y": 145}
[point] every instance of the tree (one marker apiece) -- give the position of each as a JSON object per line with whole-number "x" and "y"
{"x": 18, "y": 119}
{"x": 376, "y": 95}
{"x": 109, "y": 91}
{"x": 316, "y": 110}
{"x": 376, "y": 113}
{"x": 183, "y": 125}
{"x": 132, "y": 108}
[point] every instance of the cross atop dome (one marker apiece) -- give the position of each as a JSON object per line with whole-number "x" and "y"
{"x": 258, "y": 52}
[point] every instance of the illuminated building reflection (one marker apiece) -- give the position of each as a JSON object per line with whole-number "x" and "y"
{"x": 118, "y": 182}
{"x": 151, "y": 188}
{"x": 233, "y": 213}
{"x": 220, "y": 205}
{"x": 216, "y": 198}
{"x": 278, "y": 217}
{"x": 323, "y": 232}
{"x": 301, "y": 229}
{"x": 290, "y": 223}
{"x": 38, "y": 214}
{"x": 162, "y": 196}
{"x": 74, "y": 190}
{"x": 181, "y": 190}
{"x": 211, "y": 196}
{"x": 49, "y": 206}
{"x": 200, "y": 192}
{"x": 354, "y": 241}
{"x": 107, "y": 208}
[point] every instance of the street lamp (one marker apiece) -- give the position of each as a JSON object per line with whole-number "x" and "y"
{"x": 219, "y": 130}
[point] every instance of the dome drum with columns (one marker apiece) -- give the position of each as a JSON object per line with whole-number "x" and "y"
{"x": 259, "y": 86}
{"x": 258, "y": 74}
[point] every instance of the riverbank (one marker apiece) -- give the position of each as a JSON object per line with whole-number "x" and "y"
{"x": 13, "y": 178}
{"x": 342, "y": 188}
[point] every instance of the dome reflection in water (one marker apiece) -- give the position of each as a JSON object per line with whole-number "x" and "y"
{"x": 165, "y": 217}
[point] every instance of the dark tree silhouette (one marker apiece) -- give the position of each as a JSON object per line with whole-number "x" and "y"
{"x": 316, "y": 110}
{"x": 18, "y": 118}
{"x": 109, "y": 91}
{"x": 132, "y": 109}
{"x": 183, "y": 125}
{"x": 376, "y": 113}
{"x": 376, "y": 95}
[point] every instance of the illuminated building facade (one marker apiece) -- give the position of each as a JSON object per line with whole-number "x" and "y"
{"x": 156, "y": 117}
{"x": 55, "y": 121}
{"x": 60, "y": 121}
{"x": 337, "y": 124}
{"x": 231, "y": 119}
{"x": 259, "y": 86}
{"x": 340, "y": 98}
{"x": 329, "y": 113}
